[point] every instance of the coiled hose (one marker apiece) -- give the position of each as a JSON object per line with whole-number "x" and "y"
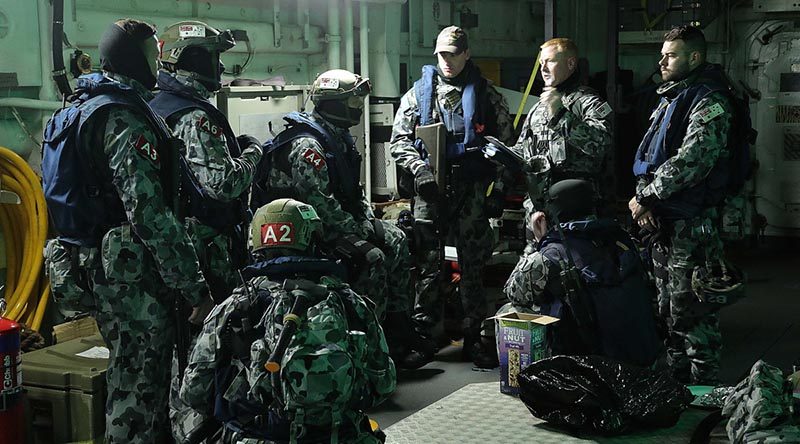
{"x": 24, "y": 228}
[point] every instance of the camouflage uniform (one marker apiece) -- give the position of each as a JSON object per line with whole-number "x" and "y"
{"x": 301, "y": 172}
{"x": 760, "y": 408}
{"x": 467, "y": 226}
{"x": 224, "y": 178}
{"x": 207, "y": 358}
{"x": 694, "y": 342}
{"x": 576, "y": 144}
{"x": 134, "y": 276}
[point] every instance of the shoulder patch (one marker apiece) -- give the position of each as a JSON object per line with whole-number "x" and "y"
{"x": 209, "y": 127}
{"x": 314, "y": 158}
{"x": 146, "y": 149}
{"x": 604, "y": 110}
{"x": 707, "y": 114}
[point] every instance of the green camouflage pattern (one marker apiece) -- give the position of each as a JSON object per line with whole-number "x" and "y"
{"x": 224, "y": 178}
{"x": 465, "y": 212}
{"x": 140, "y": 267}
{"x": 296, "y": 175}
{"x": 527, "y": 282}
{"x": 704, "y": 145}
{"x": 760, "y": 408}
{"x": 333, "y": 369}
{"x": 68, "y": 285}
{"x": 576, "y": 143}
{"x": 694, "y": 341}
{"x": 448, "y": 97}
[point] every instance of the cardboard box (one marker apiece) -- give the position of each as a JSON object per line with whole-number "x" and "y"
{"x": 520, "y": 341}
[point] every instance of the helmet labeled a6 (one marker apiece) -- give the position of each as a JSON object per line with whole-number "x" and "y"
{"x": 338, "y": 96}
{"x": 285, "y": 224}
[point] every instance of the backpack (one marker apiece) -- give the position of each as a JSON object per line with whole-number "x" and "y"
{"x": 606, "y": 307}
{"x": 322, "y": 375}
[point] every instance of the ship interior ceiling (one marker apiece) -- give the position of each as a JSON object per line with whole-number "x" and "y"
{"x": 283, "y": 45}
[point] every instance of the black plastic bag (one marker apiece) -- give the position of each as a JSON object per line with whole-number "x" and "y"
{"x": 601, "y": 395}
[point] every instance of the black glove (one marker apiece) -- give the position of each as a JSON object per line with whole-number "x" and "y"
{"x": 425, "y": 184}
{"x": 494, "y": 204}
{"x": 246, "y": 140}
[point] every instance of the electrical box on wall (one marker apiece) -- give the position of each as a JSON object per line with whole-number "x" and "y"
{"x": 776, "y": 5}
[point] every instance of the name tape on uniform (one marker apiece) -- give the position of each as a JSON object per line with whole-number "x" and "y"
{"x": 277, "y": 234}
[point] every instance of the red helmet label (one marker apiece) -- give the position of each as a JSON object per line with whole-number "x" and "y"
{"x": 277, "y": 234}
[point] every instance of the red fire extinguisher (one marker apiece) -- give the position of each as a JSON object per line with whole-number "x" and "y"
{"x": 12, "y": 421}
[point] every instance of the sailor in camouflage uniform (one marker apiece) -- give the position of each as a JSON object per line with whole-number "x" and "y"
{"x": 455, "y": 94}
{"x": 240, "y": 334}
{"x": 568, "y": 133}
{"x": 134, "y": 270}
{"x": 678, "y": 165}
{"x": 315, "y": 159}
{"x": 221, "y": 165}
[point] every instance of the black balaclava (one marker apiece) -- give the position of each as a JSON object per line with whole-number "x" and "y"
{"x": 206, "y": 64}
{"x": 123, "y": 53}
{"x": 571, "y": 199}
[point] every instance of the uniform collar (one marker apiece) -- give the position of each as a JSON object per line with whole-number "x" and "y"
{"x": 186, "y": 78}
{"x": 140, "y": 89}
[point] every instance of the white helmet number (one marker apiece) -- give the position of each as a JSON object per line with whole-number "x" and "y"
{"x": 277, "y": 234}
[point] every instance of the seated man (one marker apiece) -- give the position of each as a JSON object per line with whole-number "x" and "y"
{"x": 293, "y": 355}
{"x": 586, "y": 272}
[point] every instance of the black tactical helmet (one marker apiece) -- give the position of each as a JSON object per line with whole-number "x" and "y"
{"x": 571, "y": 199}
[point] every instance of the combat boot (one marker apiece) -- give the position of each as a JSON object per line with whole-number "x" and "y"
{"x": 481, "y": 350}
{"x": 409, "y": 350}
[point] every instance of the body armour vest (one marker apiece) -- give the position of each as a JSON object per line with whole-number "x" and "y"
{"x": 465, "y": 129}
{"x": 665, "y": 136}
{"x": 174, "y": 99}
{"x": 341, "y": 157}
{"x": 81, "y": 200}
{"x": 613, "y": 278}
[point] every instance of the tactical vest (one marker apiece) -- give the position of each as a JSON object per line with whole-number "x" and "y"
{"x": 665, "y": 136}
{"x": 342, "y": 158}
{"x": 462, "y": 136}
{"x": 81, "y": 200}
{"x": 174, "y": 100}
{"x": 613, "y": 278}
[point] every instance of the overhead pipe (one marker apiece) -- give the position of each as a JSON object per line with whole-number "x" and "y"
{"x": 364, "y": 41}
{"x": 334, "y": 36}
{"x": 349, "y": 50}
{"x": 21, "y": 102}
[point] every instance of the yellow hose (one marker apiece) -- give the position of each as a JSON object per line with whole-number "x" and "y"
{"x": 25, "y": 232}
